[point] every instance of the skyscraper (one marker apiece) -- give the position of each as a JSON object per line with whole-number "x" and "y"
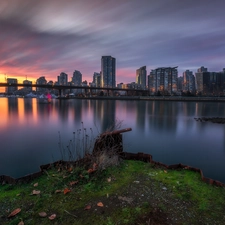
{"x": 97, "y": 79}
{"x": 63, "y": 79}
{"x": 108, "y": 71}
{"x": 141, "y": 74}
{"x": 163, "y": 79}
{"x": 77, "y": 78}
{"x": 11, "y": 89}
{"x": 188, "y": 81}
{"x": 202, "y": 80}
{"x": 41, "y": 80}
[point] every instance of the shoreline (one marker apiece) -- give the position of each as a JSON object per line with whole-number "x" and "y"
{"x": 151, "y": 98}
{"x": 147, "y": 158}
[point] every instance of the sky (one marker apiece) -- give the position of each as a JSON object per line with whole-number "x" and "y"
{"x": 47, "y": 37}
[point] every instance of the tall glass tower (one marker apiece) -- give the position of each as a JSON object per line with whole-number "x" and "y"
{"x": 108, "y": 72}
{"x": 141, "y": 77}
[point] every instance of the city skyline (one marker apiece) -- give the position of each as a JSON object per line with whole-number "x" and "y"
{"x": 45, "y": 39}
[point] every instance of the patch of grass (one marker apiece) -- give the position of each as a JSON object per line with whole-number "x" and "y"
{"x": 128, "y": 192}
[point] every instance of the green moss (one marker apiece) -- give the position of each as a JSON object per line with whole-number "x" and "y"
{"x": 106, "y": 186}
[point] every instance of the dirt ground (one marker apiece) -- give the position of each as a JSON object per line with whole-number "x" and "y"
{"x": 164, "y": 208}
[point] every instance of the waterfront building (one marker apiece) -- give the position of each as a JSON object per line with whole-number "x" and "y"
{"x": 179, "y": 85}
{"x": 97, "y": 79}
{"x": 163, "y": 80}
{"x": 108, "y": 72}
{"x": 77, "y": 78}
{"x": 76, "y": 81}
{"x": 202, "y": 81}
{"x": 63, "y": 79}
{"x": 210, "y": 83}
{"x": 188, "y": 82}
{"x": 41, "y": 81}
{"x": 11, "y": 89}
{"x": 141, "y": 74}
{"x": 27, "y": 89}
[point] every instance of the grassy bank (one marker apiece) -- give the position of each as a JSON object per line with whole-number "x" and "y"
{"x": 131, "y": 193}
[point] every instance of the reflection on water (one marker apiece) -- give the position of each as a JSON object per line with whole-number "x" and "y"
{"x": 167, "y": 130}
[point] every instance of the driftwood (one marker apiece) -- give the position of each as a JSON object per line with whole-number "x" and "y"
{"x": 110, "y": 141}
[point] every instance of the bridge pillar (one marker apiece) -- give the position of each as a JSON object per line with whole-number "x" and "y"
{"x": 60, "y": 92}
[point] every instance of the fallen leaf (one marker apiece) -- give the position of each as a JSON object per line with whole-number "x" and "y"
{"x": 100, "y": 204}
{"x": 87, "y": 207}
{"x": 14, "y": 212}
{"x": 81, "y": 176}
{"x": 36, "y": 184}
{"x": 90, "y": 170}
{"x": 64, "y": 177}
{"x": 42, "y": 214}
{"x": 21, "y": 223}
{"x": 165, "y": 171}
{"x": 95, "y": 165}
{"x": 70, "y": 169}
{"x": 58, "y": 191}
{"x": 66, "y": 190}
{"x": 18, "y": 195}
{"x": 52, "y": 217}
{"x": 36, "y": 192}
{"x": 109, "y": 179}
{"x": 73, "y": 182}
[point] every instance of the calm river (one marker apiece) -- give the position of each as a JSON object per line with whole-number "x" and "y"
{"x": 30, "y": 131}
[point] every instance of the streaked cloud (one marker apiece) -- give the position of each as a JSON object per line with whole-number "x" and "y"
{"x": 46, "y": 37}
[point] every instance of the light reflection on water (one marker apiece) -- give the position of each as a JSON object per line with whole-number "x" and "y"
{"x": 29, "y": 131}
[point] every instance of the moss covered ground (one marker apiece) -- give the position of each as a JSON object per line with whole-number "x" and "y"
{"x": 132, "y": 193}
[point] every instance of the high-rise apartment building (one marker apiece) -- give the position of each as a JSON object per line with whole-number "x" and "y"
{"x": 27, "y": 88}
{"x": 11, "y": 89}
{"x": 77, "y": 78}
{"x": 108, "y": 72}
{"x": 63, "y": 79}
{"x": 202, "y": 80}
{"x": 41, "y": 80}
{"x": 188, "y": 81}
{"x": 97, "y": 79}
{"x": 164, "y": 80}
{"x": 141, "y": 74}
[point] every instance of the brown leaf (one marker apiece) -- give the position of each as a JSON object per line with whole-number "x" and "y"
{"x": 90, "y": 170}
{"x": 165, "y": 171}
{"x": 21, "y": 223}
{"x": 70, "y": 169}
{"x": 66, "y": 190}
{"x": 95, "y": 165}
{"x": 36, "y": 184}
{"x": 87, "y": 207}
{"x": 14, "y": 212}
{"x": 52, "y": 217}
{"x": 109, "y": 179}
{"x": 100, "y": 204}
{"x": 58, "y": 191}
{"x": 36, "y": 192}
{"x": 42, "y": 214}
{"x": 73, "y": 182}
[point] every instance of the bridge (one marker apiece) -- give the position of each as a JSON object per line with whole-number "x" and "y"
{"x": 86, "y": 88}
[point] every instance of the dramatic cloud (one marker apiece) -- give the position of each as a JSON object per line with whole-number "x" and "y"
{"x": 46, "y": 37}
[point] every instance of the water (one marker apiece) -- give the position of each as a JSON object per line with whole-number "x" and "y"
{"x": 29, "y": 131}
